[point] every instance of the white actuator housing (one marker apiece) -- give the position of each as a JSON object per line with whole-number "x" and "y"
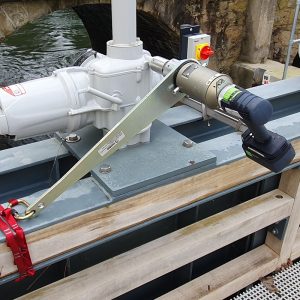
{"x": 99, "y": 92}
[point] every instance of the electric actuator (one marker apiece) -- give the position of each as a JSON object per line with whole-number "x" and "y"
{"x": 100, "y": 90}
{"x": 216, "y": 90}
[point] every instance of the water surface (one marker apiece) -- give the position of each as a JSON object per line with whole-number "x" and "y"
{"x": 39, "y": 48}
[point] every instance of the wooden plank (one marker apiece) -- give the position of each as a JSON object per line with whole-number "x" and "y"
{"x": 94, "y": 226}
{"x": 134, "y": 268}
{"x": 229, "y": 278}
{"x": 296, "y": 247}
{"x": 289, "y": 184}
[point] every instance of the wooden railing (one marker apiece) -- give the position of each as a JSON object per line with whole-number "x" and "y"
{"x": 132, "y": 269}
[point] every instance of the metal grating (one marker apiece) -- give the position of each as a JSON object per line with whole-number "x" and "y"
{"x": 287, "y": 283}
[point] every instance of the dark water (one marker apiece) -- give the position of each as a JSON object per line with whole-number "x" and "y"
{"x": 39, "y": 48}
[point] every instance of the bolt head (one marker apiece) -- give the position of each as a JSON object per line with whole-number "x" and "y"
{"x": 188, "y": 144}
{"x": 275, "y": 231}
{"x": 105, "y": 169}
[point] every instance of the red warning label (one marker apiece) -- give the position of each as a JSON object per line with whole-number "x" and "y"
{"x": 14, "y": 90}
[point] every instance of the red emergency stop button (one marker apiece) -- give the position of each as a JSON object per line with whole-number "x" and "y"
{"x": 206, "y": 52}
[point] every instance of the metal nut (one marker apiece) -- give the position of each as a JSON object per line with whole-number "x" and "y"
{"x": 105, "y": 169}
{"x": 72, "y": 138}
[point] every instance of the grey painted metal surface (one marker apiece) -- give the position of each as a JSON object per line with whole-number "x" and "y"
{"x": 228, "y": 148}
{"x": 30, "y": 168}
{"x": 180, "y": 115}
{"x": 83, "y": 197}
{"x": 277, "y": 89}
{"x": 151, "y": 164}
{"x": 30, "y": 154}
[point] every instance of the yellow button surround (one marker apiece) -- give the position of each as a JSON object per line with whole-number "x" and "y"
{"x": 199, "y": 48}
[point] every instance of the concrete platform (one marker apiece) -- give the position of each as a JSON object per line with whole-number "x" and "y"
{"x": 244, "y": 73}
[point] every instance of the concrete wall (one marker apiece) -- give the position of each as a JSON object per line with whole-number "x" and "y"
{"x": 259, "y": 24}
{"x": 285, "y": 10}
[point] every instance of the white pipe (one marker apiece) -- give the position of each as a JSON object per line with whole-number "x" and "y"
{"x": 124, "y": 22}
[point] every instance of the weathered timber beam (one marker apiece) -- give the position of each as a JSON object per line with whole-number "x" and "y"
{"x": 296, "y": 247}
{"x": 97, "y": 225}
{"x": 289, "y": 184}
{"x": 229, "y": 278}
{"x": 127, "y": 271}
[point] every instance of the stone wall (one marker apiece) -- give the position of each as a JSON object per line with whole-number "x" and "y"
{"x": 15, "y": 14}
{"x": 224, "y": 20}
{"x": 281, "y": 31}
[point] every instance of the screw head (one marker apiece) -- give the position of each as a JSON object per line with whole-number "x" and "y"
{"x": 188, "y": 144}
{"x": 105, "y": 169}
{"x": 41, "y": 205}
{"x": 72, "y": 138}
{"x": 275, "y": 231}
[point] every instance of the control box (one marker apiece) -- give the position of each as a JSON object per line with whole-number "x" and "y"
{"x": 194, "y": 45}
{"x": 199, "y": 48}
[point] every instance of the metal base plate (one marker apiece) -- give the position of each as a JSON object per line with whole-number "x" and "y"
{"x": 139, "y": 168}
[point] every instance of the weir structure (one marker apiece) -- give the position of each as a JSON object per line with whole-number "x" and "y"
{"x": 234, "y": 36}
{"x": 184, "y": 215}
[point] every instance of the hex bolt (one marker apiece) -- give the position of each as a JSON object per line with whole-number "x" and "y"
{"x": 105, "y": 169}
{"x": 187, "y": 143}
{"x": 72, "y": 138}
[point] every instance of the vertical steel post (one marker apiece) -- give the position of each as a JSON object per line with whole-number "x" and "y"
{"x": 124, "y": 22}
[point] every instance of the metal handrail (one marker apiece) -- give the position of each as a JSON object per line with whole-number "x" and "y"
{"x": 292, "y": 41}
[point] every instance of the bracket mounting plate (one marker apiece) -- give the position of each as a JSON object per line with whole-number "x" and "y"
{"x": 139, "y": 168}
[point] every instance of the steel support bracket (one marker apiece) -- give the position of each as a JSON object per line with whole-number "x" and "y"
{"x": 278, "y": 229}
